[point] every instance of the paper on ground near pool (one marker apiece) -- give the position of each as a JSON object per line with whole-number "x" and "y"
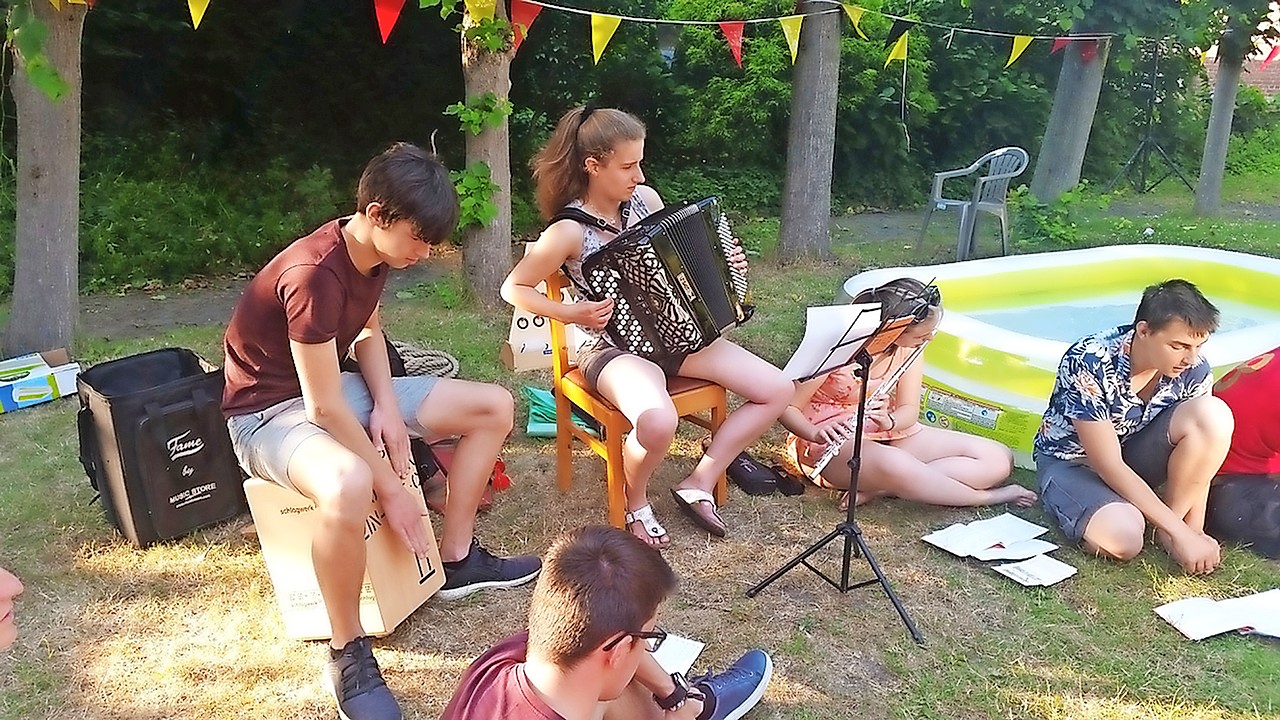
{"x": 1199, "y": 617}
{"x": 676, "y": 653}
{"x": 1039, "y": 571}
{"x": 981, "y": 536}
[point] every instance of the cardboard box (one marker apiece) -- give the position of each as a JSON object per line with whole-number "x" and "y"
{"x": 36, "y": 378}
{"x": 528, "y": 343}
{"x": 396, "y": 582}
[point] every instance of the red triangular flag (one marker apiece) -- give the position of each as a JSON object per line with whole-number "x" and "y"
{"x": 1058, "y": 44}
{"x": 522, "y": 16}
{"x": 388, "y": 11}
{"x": 1271, "y": 56}
{"x": 733, "y": 34}
{"x": 1089, "y": 50}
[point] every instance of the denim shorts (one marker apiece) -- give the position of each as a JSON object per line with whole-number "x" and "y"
{"x": 265, "y": 441}
{"x": 1072, "y": 492}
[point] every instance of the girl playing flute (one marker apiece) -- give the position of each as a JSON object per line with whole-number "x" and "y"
{"x": 900, "y": 457}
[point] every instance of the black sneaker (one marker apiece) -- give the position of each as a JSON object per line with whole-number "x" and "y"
{"x": 356, "y": 682}
{"x": 736, "y": 690}
{"x": 481, "y": 569}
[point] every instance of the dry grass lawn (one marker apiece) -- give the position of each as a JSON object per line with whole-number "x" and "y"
{"x": 190, "y": 629}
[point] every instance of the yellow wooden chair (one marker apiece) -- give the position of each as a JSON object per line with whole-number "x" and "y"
{"x": 690, "y": 396}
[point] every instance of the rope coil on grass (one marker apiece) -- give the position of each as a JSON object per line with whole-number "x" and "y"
{"x": 419, "y": 361}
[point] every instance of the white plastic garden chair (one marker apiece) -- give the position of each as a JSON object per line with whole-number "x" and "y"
{"x": 990, "y": 189}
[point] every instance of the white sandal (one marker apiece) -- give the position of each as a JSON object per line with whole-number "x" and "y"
{"x": 644, "y": 515}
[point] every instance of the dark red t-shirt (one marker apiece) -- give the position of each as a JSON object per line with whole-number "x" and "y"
{"x": 495, "y": 688}
{"x": 1252, "y": 390}
{"x": 311, "y": 293}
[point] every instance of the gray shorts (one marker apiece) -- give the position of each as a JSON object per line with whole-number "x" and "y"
{"x": 1072, "y": 492}
{"x": 265, "y": 441}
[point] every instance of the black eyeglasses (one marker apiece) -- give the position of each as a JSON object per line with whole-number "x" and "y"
{"x": 652, "y": 639}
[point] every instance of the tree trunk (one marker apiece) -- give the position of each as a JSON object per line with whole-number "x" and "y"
{"x": 1214, "y": 161}
{"x": 46, "y": 282}
{"x": 1066, "y": 137}
{"x": 486, "y": 251}
{"x": 811, "y": 136}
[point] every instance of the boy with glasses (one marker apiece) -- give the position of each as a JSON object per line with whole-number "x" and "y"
{"x": 339, "y": 438}
{"x": 587, "y": 652}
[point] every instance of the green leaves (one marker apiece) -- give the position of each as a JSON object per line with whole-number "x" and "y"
{"x": 480, "y": 112}
{"x": 490, "y": 34}
{"x": 26, "y": 34}
{"x": 476, "y": 189}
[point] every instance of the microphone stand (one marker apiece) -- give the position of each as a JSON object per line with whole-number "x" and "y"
{"x": 854, "y": 542}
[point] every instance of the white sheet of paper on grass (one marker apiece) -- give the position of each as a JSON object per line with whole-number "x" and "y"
{"x": 1040, "y": 570}
{"x": 677, "y": 653}
{"x": 980, "y": 535}
{"x": 1199, "y": 617}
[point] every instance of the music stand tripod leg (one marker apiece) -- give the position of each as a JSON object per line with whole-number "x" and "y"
{"x": 849, "y": 528}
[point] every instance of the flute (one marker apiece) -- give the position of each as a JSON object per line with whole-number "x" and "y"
{"x": 885, "y": 388}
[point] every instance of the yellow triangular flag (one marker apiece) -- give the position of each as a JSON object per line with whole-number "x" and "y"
{"x": 899, "y": 51}
{"x": 791, "y": 28}
{"x": 855, "y": 14}
{"x": 197, "y": 11}
{"x": 1020, "y": 43}
{"x": 481, "y": 9}
{"x": 57, "y": 4}
{"x": 78, "y": 2}
{"x": 602, "y": 29}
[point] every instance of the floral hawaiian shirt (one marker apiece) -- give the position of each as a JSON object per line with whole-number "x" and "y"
{"x": 1094, "y": 383}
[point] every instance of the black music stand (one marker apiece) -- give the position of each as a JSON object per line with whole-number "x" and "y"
{"x": 854, "y": 542}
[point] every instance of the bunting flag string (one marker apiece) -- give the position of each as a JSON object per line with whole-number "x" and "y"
{"x": 197, "y": 8}
{"x": 1020, "y": 44}
{"x": 387, "y": 12}
{"x": 602, "y": 29}
{"x": 847, "y": 8}
{"x": 791, "y": 29}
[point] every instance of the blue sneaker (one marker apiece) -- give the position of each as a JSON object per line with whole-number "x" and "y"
{"x": 356, "y": 683}
{"x": 735, "y": 691}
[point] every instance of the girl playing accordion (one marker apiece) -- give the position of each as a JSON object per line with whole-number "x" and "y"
{"x": 592, "y": 163}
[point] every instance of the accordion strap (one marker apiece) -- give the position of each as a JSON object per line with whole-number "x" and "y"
{"x": 577, "y": 214}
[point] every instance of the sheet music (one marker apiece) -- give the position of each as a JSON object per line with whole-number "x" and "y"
{"x": 677, "y": 653}
{"x": 843, "y": 327}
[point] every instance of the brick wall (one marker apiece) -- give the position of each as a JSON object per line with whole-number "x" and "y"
{"x": 1267, "y": 81}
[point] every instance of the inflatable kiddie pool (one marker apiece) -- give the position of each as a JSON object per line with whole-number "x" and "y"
{"x": 991, "y": 367}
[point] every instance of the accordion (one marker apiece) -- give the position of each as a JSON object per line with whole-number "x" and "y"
{"x": 672, "y": 287}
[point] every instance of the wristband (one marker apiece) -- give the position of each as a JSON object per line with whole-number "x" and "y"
{"x": 677, "y": 698}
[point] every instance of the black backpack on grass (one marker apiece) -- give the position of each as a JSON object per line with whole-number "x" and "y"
{"x": 155, "y": 445}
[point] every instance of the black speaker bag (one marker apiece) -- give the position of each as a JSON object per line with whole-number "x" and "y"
{"x": 155, "y": 445}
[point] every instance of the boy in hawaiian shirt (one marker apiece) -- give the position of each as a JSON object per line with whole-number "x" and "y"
{"x": 1131, "y": 410}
